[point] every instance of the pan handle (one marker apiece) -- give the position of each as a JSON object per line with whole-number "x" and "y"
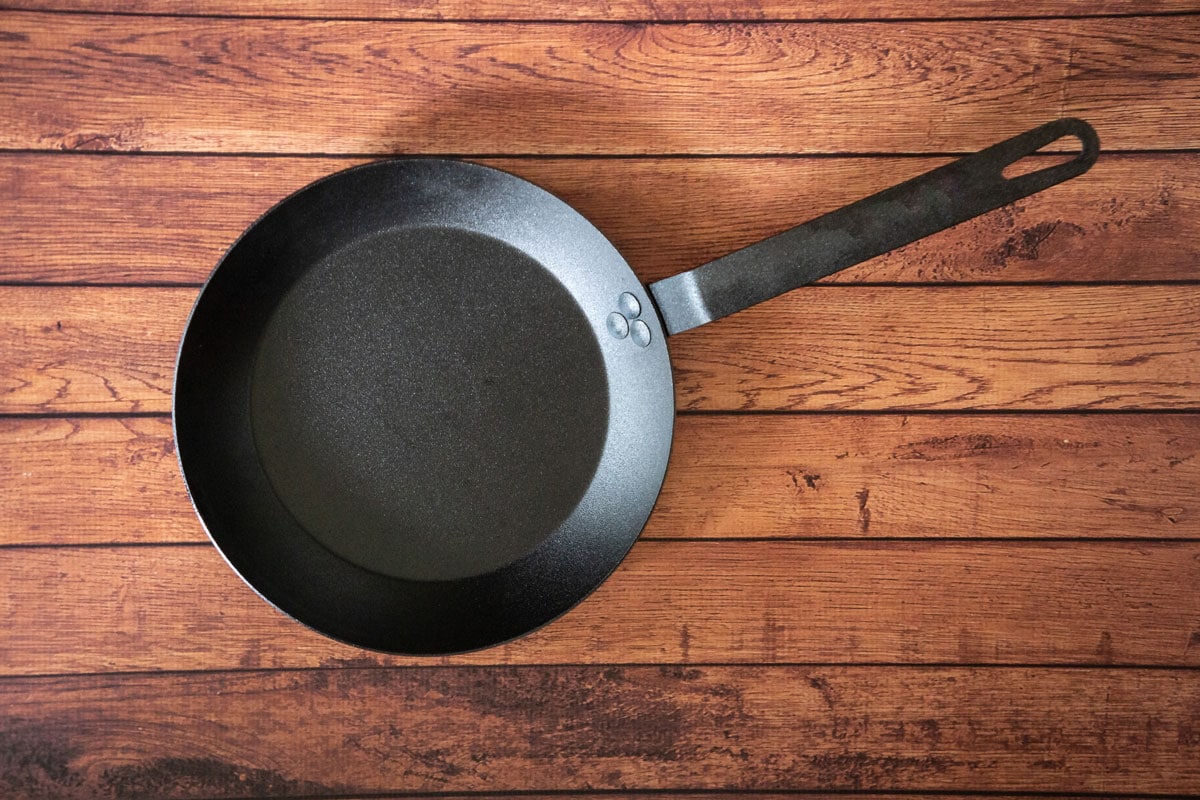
{"x": 894, "y": 217}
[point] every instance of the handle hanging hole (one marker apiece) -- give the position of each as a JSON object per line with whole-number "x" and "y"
{"x": 1061, "y": 151}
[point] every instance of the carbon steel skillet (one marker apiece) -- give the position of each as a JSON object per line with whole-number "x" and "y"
{"x": 424, "y": 406}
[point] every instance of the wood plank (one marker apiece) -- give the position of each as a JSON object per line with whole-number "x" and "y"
{"x": 608, "y": 728}
{"x": 938, "y": 476}
{"x": 92, "y": 481}
{"x": 218, "y": 85}
{"x": 89, "y": 349}
{"x": 619, "y": 9}
{"x": 94, "y": 218}
{"x": 70, "y": 610}
{"x": 823, "y": 348}
{"x": 102, "y": 480}
{"x": 852, "y": 348}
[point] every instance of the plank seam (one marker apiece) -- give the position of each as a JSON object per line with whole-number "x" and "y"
{"x": 709, "y": 792}
{"x": 1183, "y": 282}
{"x": 929, "y": 412}
{"x": 932, "y": 541}
{"x": 683, "y": 412}
{"x": 599, "y": 20}
{"x": 354, "y": 665}
{"x": 832, "y": 154}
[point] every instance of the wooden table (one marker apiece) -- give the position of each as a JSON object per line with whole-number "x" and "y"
{"x": 929, "y": 526}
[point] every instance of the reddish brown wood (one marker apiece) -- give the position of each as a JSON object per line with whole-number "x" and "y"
{"x": 97, "y": 481}
{"x": 621, "y": 9}
{"x": 92, "y": 481}
{"x": 93, "y": 218}
{"x": 286, "y": 86}
{"x": 118, "y": 609}
{"x": 834, "y": 348}
{"x": 611, "y": 728}
{"x": 937, "y": 476}
{"x": 89, "y": 349}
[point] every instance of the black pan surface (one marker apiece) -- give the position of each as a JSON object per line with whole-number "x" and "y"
{"x": 423, "y": 406}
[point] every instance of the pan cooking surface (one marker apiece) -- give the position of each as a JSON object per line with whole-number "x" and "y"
{"x": 429, "y": 403}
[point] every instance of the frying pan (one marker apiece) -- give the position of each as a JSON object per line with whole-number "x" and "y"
{"x": 424, "y": 406}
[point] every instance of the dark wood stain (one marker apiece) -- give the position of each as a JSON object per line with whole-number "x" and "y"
{"x": 1025, "y": 246}
{"x": 40, "y": 762}
{"x": 802, "y": 478}
{"x": 963, "y": 446}
{"x": 627, "y": 719}
{"x": 864, "y": 511}
{"x": 37, "y": 763}
{"x": 202, "y": 777}
{"x": 860, "y": 770}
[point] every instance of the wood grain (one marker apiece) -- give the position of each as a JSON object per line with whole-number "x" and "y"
{"x": 70, "y": 610}
{"x": 937, "y": 476}
{"x": 824, "y": 348}
{"x": 286, "y": 86}
{"x": 168, "y": 219}
{"x": 92, "y": 481}
{"x": 89, "y": 349}
{"x": 620, "y": 9}
{"x": 836, "y": 348}
{"x": 613, "y": 728}
{"x": 101, "y": 480}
